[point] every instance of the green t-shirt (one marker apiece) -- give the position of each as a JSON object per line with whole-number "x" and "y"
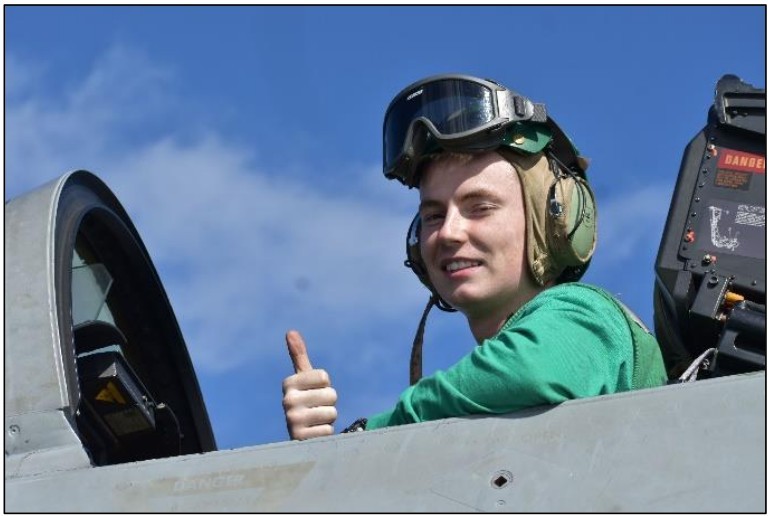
{"x": 570, "y": 341}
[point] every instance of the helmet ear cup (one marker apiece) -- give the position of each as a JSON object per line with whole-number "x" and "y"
{"x": 414, "y": 255}
{"x": 571, "y": 222}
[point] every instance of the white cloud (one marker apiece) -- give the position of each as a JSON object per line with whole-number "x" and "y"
{"x": 243, "y": 253}
{"x": 20, "y": 77}
{"x": 632, "y": 219}
{"x": 255, "y": 255}
{"x": 53, "y": 126}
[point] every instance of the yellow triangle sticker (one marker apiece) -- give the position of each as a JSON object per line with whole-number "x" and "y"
{"x": 110, "y": 394}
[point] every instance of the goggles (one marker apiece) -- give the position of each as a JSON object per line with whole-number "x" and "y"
{"x": 453, "y": 112}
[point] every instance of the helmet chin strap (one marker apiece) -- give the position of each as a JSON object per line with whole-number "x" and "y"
{"x": 415, "y": 369}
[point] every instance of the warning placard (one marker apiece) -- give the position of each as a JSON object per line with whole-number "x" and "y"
{"x": 110, "y": 394}
{"x": 751, "y": 215}
{"x": 733, "y": 228}
{"x": 731, "y": 159}
{"x": 733, "y": 179}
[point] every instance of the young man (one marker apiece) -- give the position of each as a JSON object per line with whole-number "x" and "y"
{"x": 506, "y": 225}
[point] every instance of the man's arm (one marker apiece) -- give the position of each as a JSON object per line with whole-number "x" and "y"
{"x": 565, "y": 344}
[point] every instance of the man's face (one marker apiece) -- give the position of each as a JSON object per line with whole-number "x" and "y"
{"x": 473, "y": 232}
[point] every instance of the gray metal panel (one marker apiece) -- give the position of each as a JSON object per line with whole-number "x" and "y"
{"x": 38, "y": 435}
{"x": 36, "y": 382}
{"x": 694, "y": 447}
{"x": 41, "y": 442}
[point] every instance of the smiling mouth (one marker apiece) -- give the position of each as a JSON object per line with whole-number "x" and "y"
{"x": 459, "y": 265}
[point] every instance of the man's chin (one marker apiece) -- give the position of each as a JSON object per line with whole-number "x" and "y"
{"x": 462, "y": 301}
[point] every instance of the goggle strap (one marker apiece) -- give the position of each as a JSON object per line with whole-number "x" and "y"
{"x": 520, "y": 108}
{"x": 562, "y": 147}
{"x": 540, "y": 113}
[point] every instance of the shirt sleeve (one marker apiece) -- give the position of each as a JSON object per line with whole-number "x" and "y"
{"x": 560, "y": 346}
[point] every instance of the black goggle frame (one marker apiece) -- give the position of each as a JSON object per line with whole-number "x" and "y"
{"x": 405, "y": 141}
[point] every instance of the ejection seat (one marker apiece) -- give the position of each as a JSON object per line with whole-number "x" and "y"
{"x": 710, "y": 288}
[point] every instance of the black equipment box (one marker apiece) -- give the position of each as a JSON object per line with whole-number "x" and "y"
{"x": 710, "y": 289}
{"x": 116, "y": 393}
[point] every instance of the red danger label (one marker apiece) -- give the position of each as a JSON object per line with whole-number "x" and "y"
{"x": 743, "y": 161}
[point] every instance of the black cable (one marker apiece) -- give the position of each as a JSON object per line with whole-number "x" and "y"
{"x": 415, "y": 369}
{"x": 566, "y": 171}
{"x": 583, "y": 205}
{"x": 165, "y": 407}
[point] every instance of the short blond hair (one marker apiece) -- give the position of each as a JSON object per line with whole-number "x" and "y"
{"x": 462, "y": 158}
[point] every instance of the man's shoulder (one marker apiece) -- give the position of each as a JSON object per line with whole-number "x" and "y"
{"x": 575, "y": 301}
{"x": 576, "y": 291}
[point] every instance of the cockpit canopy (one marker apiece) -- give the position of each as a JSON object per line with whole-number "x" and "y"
{"x": 92, "y": 335}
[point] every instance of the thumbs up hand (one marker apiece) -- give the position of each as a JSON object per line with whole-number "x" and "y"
{"x": 308, "y": 398}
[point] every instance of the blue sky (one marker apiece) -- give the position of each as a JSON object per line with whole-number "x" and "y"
{"x": 245, "y": 143}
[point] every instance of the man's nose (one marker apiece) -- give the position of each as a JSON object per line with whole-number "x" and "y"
{"x": 453, "y": 228}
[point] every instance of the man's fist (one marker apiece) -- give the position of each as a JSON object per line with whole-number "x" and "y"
{"x": 308, "y": 398}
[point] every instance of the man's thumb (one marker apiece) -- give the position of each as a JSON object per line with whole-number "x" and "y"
{"x": 298, "y": 352}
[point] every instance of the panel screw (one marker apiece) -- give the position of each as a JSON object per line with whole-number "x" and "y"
{"x": 713, "y": 281}
{"x": 14, "y": 429}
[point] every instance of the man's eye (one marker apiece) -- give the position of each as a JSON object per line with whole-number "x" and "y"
{"x": 431, "y": 218}
{"x": 483, "y": 208}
